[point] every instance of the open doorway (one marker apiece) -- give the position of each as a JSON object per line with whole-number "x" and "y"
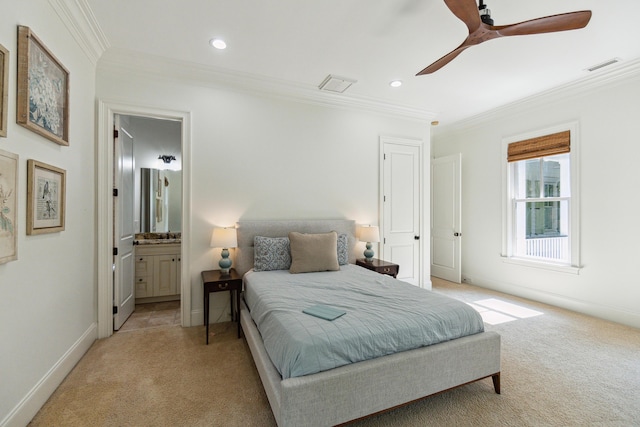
{"x": 148, "y": 176}
{"x": 107, "y": 112}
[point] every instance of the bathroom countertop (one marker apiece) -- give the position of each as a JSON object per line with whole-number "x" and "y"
{"x": 156, "y": 241}
{"x": 158, "y": 238}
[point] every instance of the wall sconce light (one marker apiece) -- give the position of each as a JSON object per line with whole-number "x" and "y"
{"x": 224, "y": 238}
{"x": 369, "y": 234}
{"x": 166, "y": 158}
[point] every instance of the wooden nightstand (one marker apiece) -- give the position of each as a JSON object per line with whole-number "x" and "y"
{"x": 379, "y": 266}
{"x": 213, "y": 281}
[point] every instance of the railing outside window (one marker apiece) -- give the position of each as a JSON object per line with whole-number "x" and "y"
{"x": 549, "y": 248}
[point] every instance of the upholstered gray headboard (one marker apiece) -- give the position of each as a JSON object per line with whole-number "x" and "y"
{"x": 247, "y": 230}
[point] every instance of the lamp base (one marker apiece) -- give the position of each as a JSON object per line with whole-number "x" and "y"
{"x": 368, "y": 253}
{"x": 225, "y": 262}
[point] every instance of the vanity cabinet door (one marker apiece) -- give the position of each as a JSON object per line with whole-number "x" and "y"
{"x": 165, "y": 275}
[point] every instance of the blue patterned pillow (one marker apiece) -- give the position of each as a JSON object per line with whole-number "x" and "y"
{"x": 343, "y": 249}
{"x": 271, "y": 253}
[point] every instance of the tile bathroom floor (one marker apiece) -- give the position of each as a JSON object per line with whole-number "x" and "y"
{"x": 151, "y": 315}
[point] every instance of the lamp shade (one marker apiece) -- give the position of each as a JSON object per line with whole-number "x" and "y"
{"x": 369, "y": 234}
{"x": 224, "y": 238}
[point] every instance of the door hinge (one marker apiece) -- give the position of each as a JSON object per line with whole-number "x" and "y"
{"x": 115, "y": 251}
{"x": 115, "y": 133}
{"x": 384, "y": 240}
{"x": 115, "y": 309}
{"x": 384, "y": 199}
{"x": 115, "y": 192}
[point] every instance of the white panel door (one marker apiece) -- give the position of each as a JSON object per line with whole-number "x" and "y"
{"x": 123, "y": 227}
{"x": 446, "y": 230}
{"x": 401, "y": 208}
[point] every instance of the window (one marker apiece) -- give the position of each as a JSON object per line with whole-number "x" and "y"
{"x": 540, "y": 209}
{"x": 540, "y": 204}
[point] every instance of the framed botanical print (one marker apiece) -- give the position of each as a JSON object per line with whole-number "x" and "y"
{"x": 46, "y": 186}
{"x": 4, "y": 89}
{"x": 43, "y": 89}
{"x": 8, "y": 206}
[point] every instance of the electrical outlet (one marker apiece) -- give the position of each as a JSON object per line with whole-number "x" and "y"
{"x": 467, "y": 279}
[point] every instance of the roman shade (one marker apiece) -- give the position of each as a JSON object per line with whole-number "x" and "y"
{"x": 547, "y": 145}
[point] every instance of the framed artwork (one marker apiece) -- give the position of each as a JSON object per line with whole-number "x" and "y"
{"x": 8, "y": 206}
{"x": 45, "y": 198}
{"x": 4, "y": 89}
{"x": 43, "y": 89}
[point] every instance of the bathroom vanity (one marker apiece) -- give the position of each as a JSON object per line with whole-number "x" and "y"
{"x": 157, "y": 267}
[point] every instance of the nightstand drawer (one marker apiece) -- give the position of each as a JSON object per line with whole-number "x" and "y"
{"x": 379, "y": 266}
{"x": 393, "y": 271}
{"x": 226, "y": 286}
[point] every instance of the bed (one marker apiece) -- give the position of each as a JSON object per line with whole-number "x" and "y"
{"x": 329, "y": 396}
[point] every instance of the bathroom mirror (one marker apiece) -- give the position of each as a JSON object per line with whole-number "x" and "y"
{"x": 160, "y": 200}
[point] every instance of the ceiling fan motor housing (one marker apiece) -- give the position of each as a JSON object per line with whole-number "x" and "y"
{"x": 485, "y": 14}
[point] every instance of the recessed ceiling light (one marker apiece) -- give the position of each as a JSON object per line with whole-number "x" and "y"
{"x": 218, "y": 43}
{"x": 396, "y": 83}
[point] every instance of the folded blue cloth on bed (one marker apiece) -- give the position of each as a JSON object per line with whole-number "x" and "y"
{"x": 324, "y": 312}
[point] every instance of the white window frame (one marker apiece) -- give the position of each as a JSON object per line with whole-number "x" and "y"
{"x": 507, "y": 213}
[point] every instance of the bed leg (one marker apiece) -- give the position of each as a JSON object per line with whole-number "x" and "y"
{"x": 496, "y": 382}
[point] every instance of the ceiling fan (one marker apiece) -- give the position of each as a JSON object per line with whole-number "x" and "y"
{"x": 481, "y": 28}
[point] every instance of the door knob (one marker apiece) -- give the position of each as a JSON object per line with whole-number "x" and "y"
{"x": 416, "y": 237}
{"x": 457, "y": 234}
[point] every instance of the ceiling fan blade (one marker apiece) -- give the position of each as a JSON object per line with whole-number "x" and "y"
{"x": 444, "y": 60}
{"x": 466, "y": 11}
{"x": 548, "y": 24}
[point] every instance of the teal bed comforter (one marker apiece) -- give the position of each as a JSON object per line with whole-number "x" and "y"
{"x": 382, "y": 316}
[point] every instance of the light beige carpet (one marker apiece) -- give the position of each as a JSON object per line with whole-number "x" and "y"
{"x": 558, "y": 369}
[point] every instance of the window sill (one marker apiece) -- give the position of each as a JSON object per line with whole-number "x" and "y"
{"x": 569, "y": 269}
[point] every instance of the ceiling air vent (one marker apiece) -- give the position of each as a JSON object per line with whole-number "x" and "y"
{"x": 336, "y": 84}
{"x": 603, "y": 64}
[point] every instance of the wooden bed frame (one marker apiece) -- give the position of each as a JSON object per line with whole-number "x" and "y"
{"x": 364, "y": 388}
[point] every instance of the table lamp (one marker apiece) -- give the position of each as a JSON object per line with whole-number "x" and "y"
{"x": 224, "y": 238}
{"x": 369, "y": 234}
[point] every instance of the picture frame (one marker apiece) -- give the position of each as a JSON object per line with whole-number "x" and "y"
{"x": 43, "y": 89}
{"x": 4, "y": 90}
{"x": 8, "y": 207}
{"x": 46, "y": 194}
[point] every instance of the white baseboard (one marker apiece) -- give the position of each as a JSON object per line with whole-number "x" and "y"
{"x": 197, "y": 317}
{"x": 613, "y": 314}
{"x": 216, "y": 314}
{"x": 29, "y": 406}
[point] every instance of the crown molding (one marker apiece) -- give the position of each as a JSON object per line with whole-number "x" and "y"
{"x": 130, "y": 62}
{"x": 618, "y": 74}
{"x": 84, "y": 27}
{"x": 79, "y": 19}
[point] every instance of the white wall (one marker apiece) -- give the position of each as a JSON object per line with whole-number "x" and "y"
{"x": 261, "y": 157}
{"x": 48, "y": 296}
{"x": 607, "y": 285}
